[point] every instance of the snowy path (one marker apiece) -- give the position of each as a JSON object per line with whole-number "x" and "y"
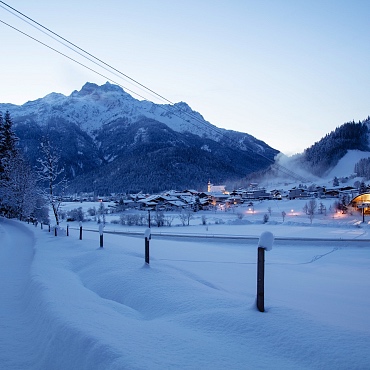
{"x": 16, "y": 254}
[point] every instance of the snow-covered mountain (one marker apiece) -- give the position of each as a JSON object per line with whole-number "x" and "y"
{"x": 95, "y": 106}
{"x": 119, "y": 143}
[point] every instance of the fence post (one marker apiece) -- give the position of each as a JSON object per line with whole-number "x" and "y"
{"x": 80, "y": 230}
{"x": 147, "y": 236}
{"x": 55, "y": 230}
{"x": 67, "y": 230}
{"x": 101, "y": 227}
{"x": 265, "y": 243}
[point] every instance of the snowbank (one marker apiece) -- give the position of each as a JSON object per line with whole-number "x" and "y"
{"x": 86, "y": 307}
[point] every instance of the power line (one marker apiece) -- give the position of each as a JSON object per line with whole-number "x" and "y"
{"x": 68, "y": 57}
{"x": 98, "y": 73}
{"x": 61, "y": 42}
{"x": 114, "y": 69}
{"x": 88, "y": 56}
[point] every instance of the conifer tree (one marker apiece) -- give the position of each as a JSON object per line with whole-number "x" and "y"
{"x": 2, "y": 143}
{"x": 8, "y": 139}
{"x": 18, "y": 191}
{"x": 362, "y": 188}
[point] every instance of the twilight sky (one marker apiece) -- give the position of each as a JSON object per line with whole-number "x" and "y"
{"x": 285, "y": 71}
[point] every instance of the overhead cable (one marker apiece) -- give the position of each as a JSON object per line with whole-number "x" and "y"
{"x": 110, "y": 68}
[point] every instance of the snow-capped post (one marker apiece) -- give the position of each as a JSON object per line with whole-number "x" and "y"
{"x": 101, "y": 227}
{"x": 363, "y": 214}
{"x": 147, "y": 236}
{"x": 80, "y": 230}
{"x": 265, "y": 243}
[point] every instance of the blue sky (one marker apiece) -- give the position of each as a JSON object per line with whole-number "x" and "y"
{"x": 286, "y": 72}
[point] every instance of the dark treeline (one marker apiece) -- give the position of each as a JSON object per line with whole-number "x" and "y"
{"x": 362, "y": 168}
{"x": 326, "y": 153}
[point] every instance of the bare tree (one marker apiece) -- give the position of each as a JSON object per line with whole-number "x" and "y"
{"x": 158, "y": 218}
{"x": 185, "y": 216}
{"x": 311, "y": 209}
{"x": 50, "y": 175}
{"x": 168, "y": 219}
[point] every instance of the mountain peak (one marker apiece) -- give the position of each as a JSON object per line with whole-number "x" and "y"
{"x": 91, "y": 88}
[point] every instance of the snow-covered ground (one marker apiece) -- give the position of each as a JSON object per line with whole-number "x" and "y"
{"x": 69, "y": 304}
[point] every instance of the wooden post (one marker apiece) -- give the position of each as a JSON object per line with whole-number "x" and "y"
{"x": 147, "y": 236}
{"x": 49, "y": 228}
{"x": 55, "y": 231}
{"x": 101, "y": 226}
{"x": 265, "y": 243}
{"x": 41, "y": 225}
{"x": 67, "y": 230}
{"x": 80, "y": 230}
{"x": 147, "y": 251}
{"x": 261, "y": 279}
{"x": 363, "y": 214}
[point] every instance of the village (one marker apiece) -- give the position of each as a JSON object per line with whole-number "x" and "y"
{"x": 218, "y": 197}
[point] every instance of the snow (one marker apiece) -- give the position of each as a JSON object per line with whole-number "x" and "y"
{"x": 94, "y": 106}
{"x": 346, "y": 164}
{"x": 266, "y": 240}
{"x": 69, "y": 304}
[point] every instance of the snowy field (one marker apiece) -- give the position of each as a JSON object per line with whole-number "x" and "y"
{"x": 69, "y": 304}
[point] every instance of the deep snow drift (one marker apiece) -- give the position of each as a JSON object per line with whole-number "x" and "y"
{"x": 69, "y": 304}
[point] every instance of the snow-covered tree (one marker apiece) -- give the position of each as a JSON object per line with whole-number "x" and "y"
{"x": 363, "y": 188}
{"x": 101, "y": 213}
{"x": 51, "y": 176}
{"x": 15, "y": 176}
{"x": 322, "y": 209}
{"x": 41, "y": 211}
{"x": 8, "y": 140}
{"x": 311, "y": 209}
{"x": 18, "y": 188}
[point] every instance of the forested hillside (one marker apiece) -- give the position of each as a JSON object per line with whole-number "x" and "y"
{"x": 326, "y": 153}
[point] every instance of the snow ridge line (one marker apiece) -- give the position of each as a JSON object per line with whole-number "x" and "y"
{"x": 317, "y": 257}
{"x": 225, "y": 236}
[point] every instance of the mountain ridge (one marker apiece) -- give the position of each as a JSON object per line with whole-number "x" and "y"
{"x": 101, "y": 128}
